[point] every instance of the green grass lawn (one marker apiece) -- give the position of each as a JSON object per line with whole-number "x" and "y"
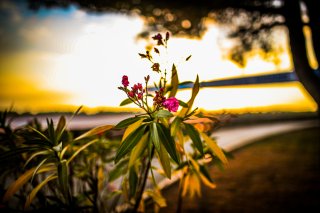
{"x": 280, "y": 173}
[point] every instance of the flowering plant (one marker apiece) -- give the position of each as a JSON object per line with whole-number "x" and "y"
{"x": 159, "y": 133}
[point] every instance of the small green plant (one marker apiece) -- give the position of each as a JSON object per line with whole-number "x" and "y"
{"x": 162, "y": 132}
{"x": 50, "y": 168}
{"x": 70, "y": 169}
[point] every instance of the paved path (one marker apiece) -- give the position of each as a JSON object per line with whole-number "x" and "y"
{"x": 232, "y": 138}
{"x": 235, "y": 137}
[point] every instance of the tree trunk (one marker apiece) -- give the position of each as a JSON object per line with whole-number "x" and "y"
{"x": 298, "y": 49}
{"x": 314, "y": 16}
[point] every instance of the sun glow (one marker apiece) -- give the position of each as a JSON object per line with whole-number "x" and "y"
{"x": 84, "y": 65}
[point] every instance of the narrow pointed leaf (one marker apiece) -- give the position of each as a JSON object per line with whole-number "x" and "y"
{"x": 129, "y": 143}
{"x": 51, "y": 132}
{"x": 6, "y": 156}
{"x": 101, "y": 178}
{"x": 133, "y": 180}
{"x": 157, "y": 197}
{"x": 174, "y": 81}
{"x": 45, "y": 152}
{"x": 60, "y": 127}
{"x": 126, "y": 122}
{"x": 24, "y": 178}
{"x": 126, "y": 102}
{"x": 183, "y": 104}
{"x": 207, "y": 182}
{"x": 131, "y": 129}
{"x": 195, "y": 91}
{"x": 215, "y": 148}
{"x": 38, "y": 167}
{"x": 163, "y": 114}
{"x": 15, "y": 186}
{"x": 165, "y": 161}
{"x": 95, "y": 131}
{"x": 118, "y": 170}
{"x": 155, "y": 136}
{"x": 195, "y": 137}
{"x": 81, "y": 148}
{"x": 205, "y": 173}
{"x": 63, "y": 178}
{"x": 138, "y": 150}
{"x": 168, "y": 142}
{"x": 37, "y": 188}
{"x": 175, "y": 125}
{"x": 41, "y": 134}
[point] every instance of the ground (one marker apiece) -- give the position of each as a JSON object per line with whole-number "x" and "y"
{"x": 280, "y": 173}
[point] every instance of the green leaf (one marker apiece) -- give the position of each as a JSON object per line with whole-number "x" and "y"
{"x": 175, "y": 126}
{"x": 15, "y": 186}
{"x": 174, "y": 81}
{"x": 41, "y": 134}
{"x": 118, "y": 170}
{"x": 81, "y": 148}
{"x": 77, "y": 111}
{"x": 131, "y": 128}
{"x": 8, "y": 155}
{"x": 95, "y": 131}
{"x": 133, "y": 181}
{"x": 165, "y": 161}
{"x": 126, "y": 122}
{"x": 155, "y": 136}
{"x": 60, "y": 127}
{"x": 37, "y": 188}
{"x": 205, "y": 172}
{"x": 51, "y": 131}
{"x": 195, "y": 90}
{"x": 38, "y": 167}
{"x": 215, "y": 148}
{"x": 129, "y": 143}
{"x": 195, "y": 137}
{"x": 168, "y": 142}
{"x": 45, "y": 152}
{"x": 63, "y": 179}
{"x": 24, "y": 178}
{"x": 126, "y": 102}
{"x": 157, "y": 197}
{"x": 163, "y": 114}
{"x": 183, "y": 104}
{"x": 138, "y": 150}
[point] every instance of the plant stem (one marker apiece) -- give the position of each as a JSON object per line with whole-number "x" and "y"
{"x": 143, "y": 184}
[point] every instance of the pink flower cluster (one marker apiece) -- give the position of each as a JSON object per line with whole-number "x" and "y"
{"x": 172, "y": 104}
{"x": 136, "y": 91}
{"x": 125, "y": 81}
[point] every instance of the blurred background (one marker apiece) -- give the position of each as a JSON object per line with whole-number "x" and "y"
{"x": 256, "y": 59}
{"x": 253, "y": 56}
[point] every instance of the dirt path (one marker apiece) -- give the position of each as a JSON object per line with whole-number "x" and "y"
{"x": 276, "y": 174}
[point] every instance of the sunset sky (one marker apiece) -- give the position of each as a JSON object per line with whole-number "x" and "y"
{"x": 57, "y": 60}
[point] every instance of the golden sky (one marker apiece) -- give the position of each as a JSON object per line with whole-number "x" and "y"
{"x": 58, "y": 60}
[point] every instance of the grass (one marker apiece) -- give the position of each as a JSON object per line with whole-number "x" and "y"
{"x": 280, "y": 173}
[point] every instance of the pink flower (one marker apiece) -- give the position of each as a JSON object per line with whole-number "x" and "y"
{"x": 125, "y": 81}
{"x": 137, "y": 87}
{"x": 172, "y": 104}
{"x": 140, "y": 95}
{"x": 131, "y": 94}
